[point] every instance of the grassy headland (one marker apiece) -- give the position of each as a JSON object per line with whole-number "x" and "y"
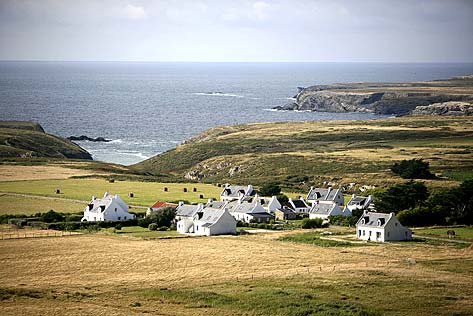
{"x": 28, "y": 139}
{"x": 298, "y": 154}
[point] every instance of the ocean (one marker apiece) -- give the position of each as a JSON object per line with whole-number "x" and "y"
{"x": 146, "y": 108}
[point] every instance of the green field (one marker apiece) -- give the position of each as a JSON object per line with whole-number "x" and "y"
{"x": 145, "y": 193}
{"x": 461, "y": 233}
{"x": 14, "y": 205}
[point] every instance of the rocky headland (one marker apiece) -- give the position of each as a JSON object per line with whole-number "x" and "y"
{"x": 428, "y": 98}
{"x": 90, "y": 139}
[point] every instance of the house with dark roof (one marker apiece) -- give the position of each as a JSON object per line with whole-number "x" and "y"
{"x": 184, "y": 211}
{"x": 270, "y": 204}
{"x": 248, "y": 212}
{"x": 324, "y": 210}
{"x": 382, "y": 227}
{"x": 235, "y": 192}
{"x": 284, "y": 213}
{"x": 359, "y": 203}
{"x": 207, "y": 222}
{"x": 109, "y": 208}
{"x": 325, "y": 196}
{"x": 299, "y": 206}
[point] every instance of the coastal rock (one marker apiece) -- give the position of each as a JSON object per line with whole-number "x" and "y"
{"x": 381, "y": 98}
{"x": 451, "y": 108}
{"x": 83, "y": 137}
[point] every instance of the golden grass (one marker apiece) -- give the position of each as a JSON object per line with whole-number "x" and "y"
{"x": 99, "y": 273}
{"x": 18, "y": 204}
{"x": 11, "y": 172}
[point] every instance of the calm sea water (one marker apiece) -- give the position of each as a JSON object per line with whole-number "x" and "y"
{"x": 148, "y": 108}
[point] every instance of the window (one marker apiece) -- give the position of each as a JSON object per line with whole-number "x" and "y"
{"x": 115, "y": 209}
{"x": 378, "y": 235}
{"x": 370, "y": 233}
{"x": 363, "y": 232}
{"x": 119, "y": 217}
{"x": 359, "y": 232}
{"x": 388, "y": 234}
{"x": 197, "y": 227}
{"x": 124, "y": 217}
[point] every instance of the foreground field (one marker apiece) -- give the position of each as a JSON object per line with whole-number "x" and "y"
{"x": 232, "y": 275}
{"x": 27, "y": 205}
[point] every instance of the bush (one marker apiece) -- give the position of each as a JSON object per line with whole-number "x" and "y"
{"x": 413, "y": 169}
{"x": 153, "y": 226}
{"x": 162, "y": 217}
{"x": 343, "y": 220}
{"x": 52, "y": 217}
{"x": 308, "y": 223}
{"x": 163, "y": 228}
{"x": 401, "y": 197}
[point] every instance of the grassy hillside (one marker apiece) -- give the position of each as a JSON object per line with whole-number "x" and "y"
{"x": 302, "y": 153}
{"x": 27, "y": 139}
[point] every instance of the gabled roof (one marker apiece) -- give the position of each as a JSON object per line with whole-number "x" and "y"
{"x": 285, "y": 210}
{"x": 208, "y": 216}
{"x": 374, "y": 219}
{"x": 299, "y": 204}
{"x": 215, "y": 204}
{"x": 99, "y": 205}
{"x": 187, "y": 210}
{"x": 323, "y": 194}
{"x": 160, "y": 204}
{"x": 237, "y": 190}
{"x": 322, "y": 209}
{"x": 244, "y": 207}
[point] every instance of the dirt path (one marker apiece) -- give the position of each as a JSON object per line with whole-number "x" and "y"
{"x": 444, "y": 239}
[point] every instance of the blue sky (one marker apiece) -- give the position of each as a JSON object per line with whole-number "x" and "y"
{"x": 239, "y": 30}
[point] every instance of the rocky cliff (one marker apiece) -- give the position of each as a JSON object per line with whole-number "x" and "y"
{"x": 382, "y": 98}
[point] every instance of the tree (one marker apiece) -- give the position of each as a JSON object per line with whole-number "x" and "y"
{"x": 413, "y": 169}
{"x": 270, "y": 189}
{"x": 401, "y": 197}
{"x": 161, "y": 217}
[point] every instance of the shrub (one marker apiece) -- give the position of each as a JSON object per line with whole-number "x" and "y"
{"x": 413, "y": 169}
{"x": 401, "y": 197}
{"x": 308, "y": 223}
{"x": 52, "y": 217}
{"x": 163, "y": 228}
{"x": 343, "y": 220}
{"x": 153, "y": 226}
{"x": 162, "y": 217}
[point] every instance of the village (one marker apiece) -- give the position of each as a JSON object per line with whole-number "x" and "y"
{"x": 243, "y": 205}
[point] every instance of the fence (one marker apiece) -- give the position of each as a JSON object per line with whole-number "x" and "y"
{"x": 22, "y": 234}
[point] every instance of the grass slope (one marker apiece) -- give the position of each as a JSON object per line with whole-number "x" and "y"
{"x": 312, "y": 152}
{"x": 26, "y": 139}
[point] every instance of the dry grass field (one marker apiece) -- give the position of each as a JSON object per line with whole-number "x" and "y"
{"x": 28, "y": 205}
{"x": 230, "y": 275}
{"x": 12, "y": 172}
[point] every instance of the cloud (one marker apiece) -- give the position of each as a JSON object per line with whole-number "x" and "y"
{"x": 134, "y": 12}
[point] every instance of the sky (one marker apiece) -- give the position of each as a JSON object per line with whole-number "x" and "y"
{"x": 238, "y": 30}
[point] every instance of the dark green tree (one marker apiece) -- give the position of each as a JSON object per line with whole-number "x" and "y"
{"x": 52, "y": 217}
{"x": 162, "y": 217}
{"x": 401, "y": 197}
{"x": 413, "y": 169}
{"x": 270, "y": 189}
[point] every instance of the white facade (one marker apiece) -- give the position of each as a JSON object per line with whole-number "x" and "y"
{"x": 208, "y": 222}
{"x": 109, "y": 208}
{"x": 249, "y": 212}
{"x": 381, "y": 227}
{"x": 270, "y": 204}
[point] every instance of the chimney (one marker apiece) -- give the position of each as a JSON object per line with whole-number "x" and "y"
{"x": 106, "y": 194}
{"x": 353, "y": 196}
{"x": 94, "y": 198}
{"x": 181, "y": 203}
{"x": 210, "y": 201}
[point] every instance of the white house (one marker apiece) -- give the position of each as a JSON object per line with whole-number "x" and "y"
{"x": 216, "y": 204}
{"x": 359, "y": 203}
{"x": 188, "y": 211}
{"x": 235, "y": 192}
{"x": 207, "y": 222}
{"x": 248, "y": 212}
{"x": 324, "y": 210}
{"x": 381, "y": 227}
{"x": 270, "y": 204}
{"x": 325, "y": 196}
{"x": 109, "y": 208}
{"x": 299, "y": 206}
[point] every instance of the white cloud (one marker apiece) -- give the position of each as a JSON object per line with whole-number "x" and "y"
{"x": 134, "y": 12}
{"x": 260, "y": 10}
